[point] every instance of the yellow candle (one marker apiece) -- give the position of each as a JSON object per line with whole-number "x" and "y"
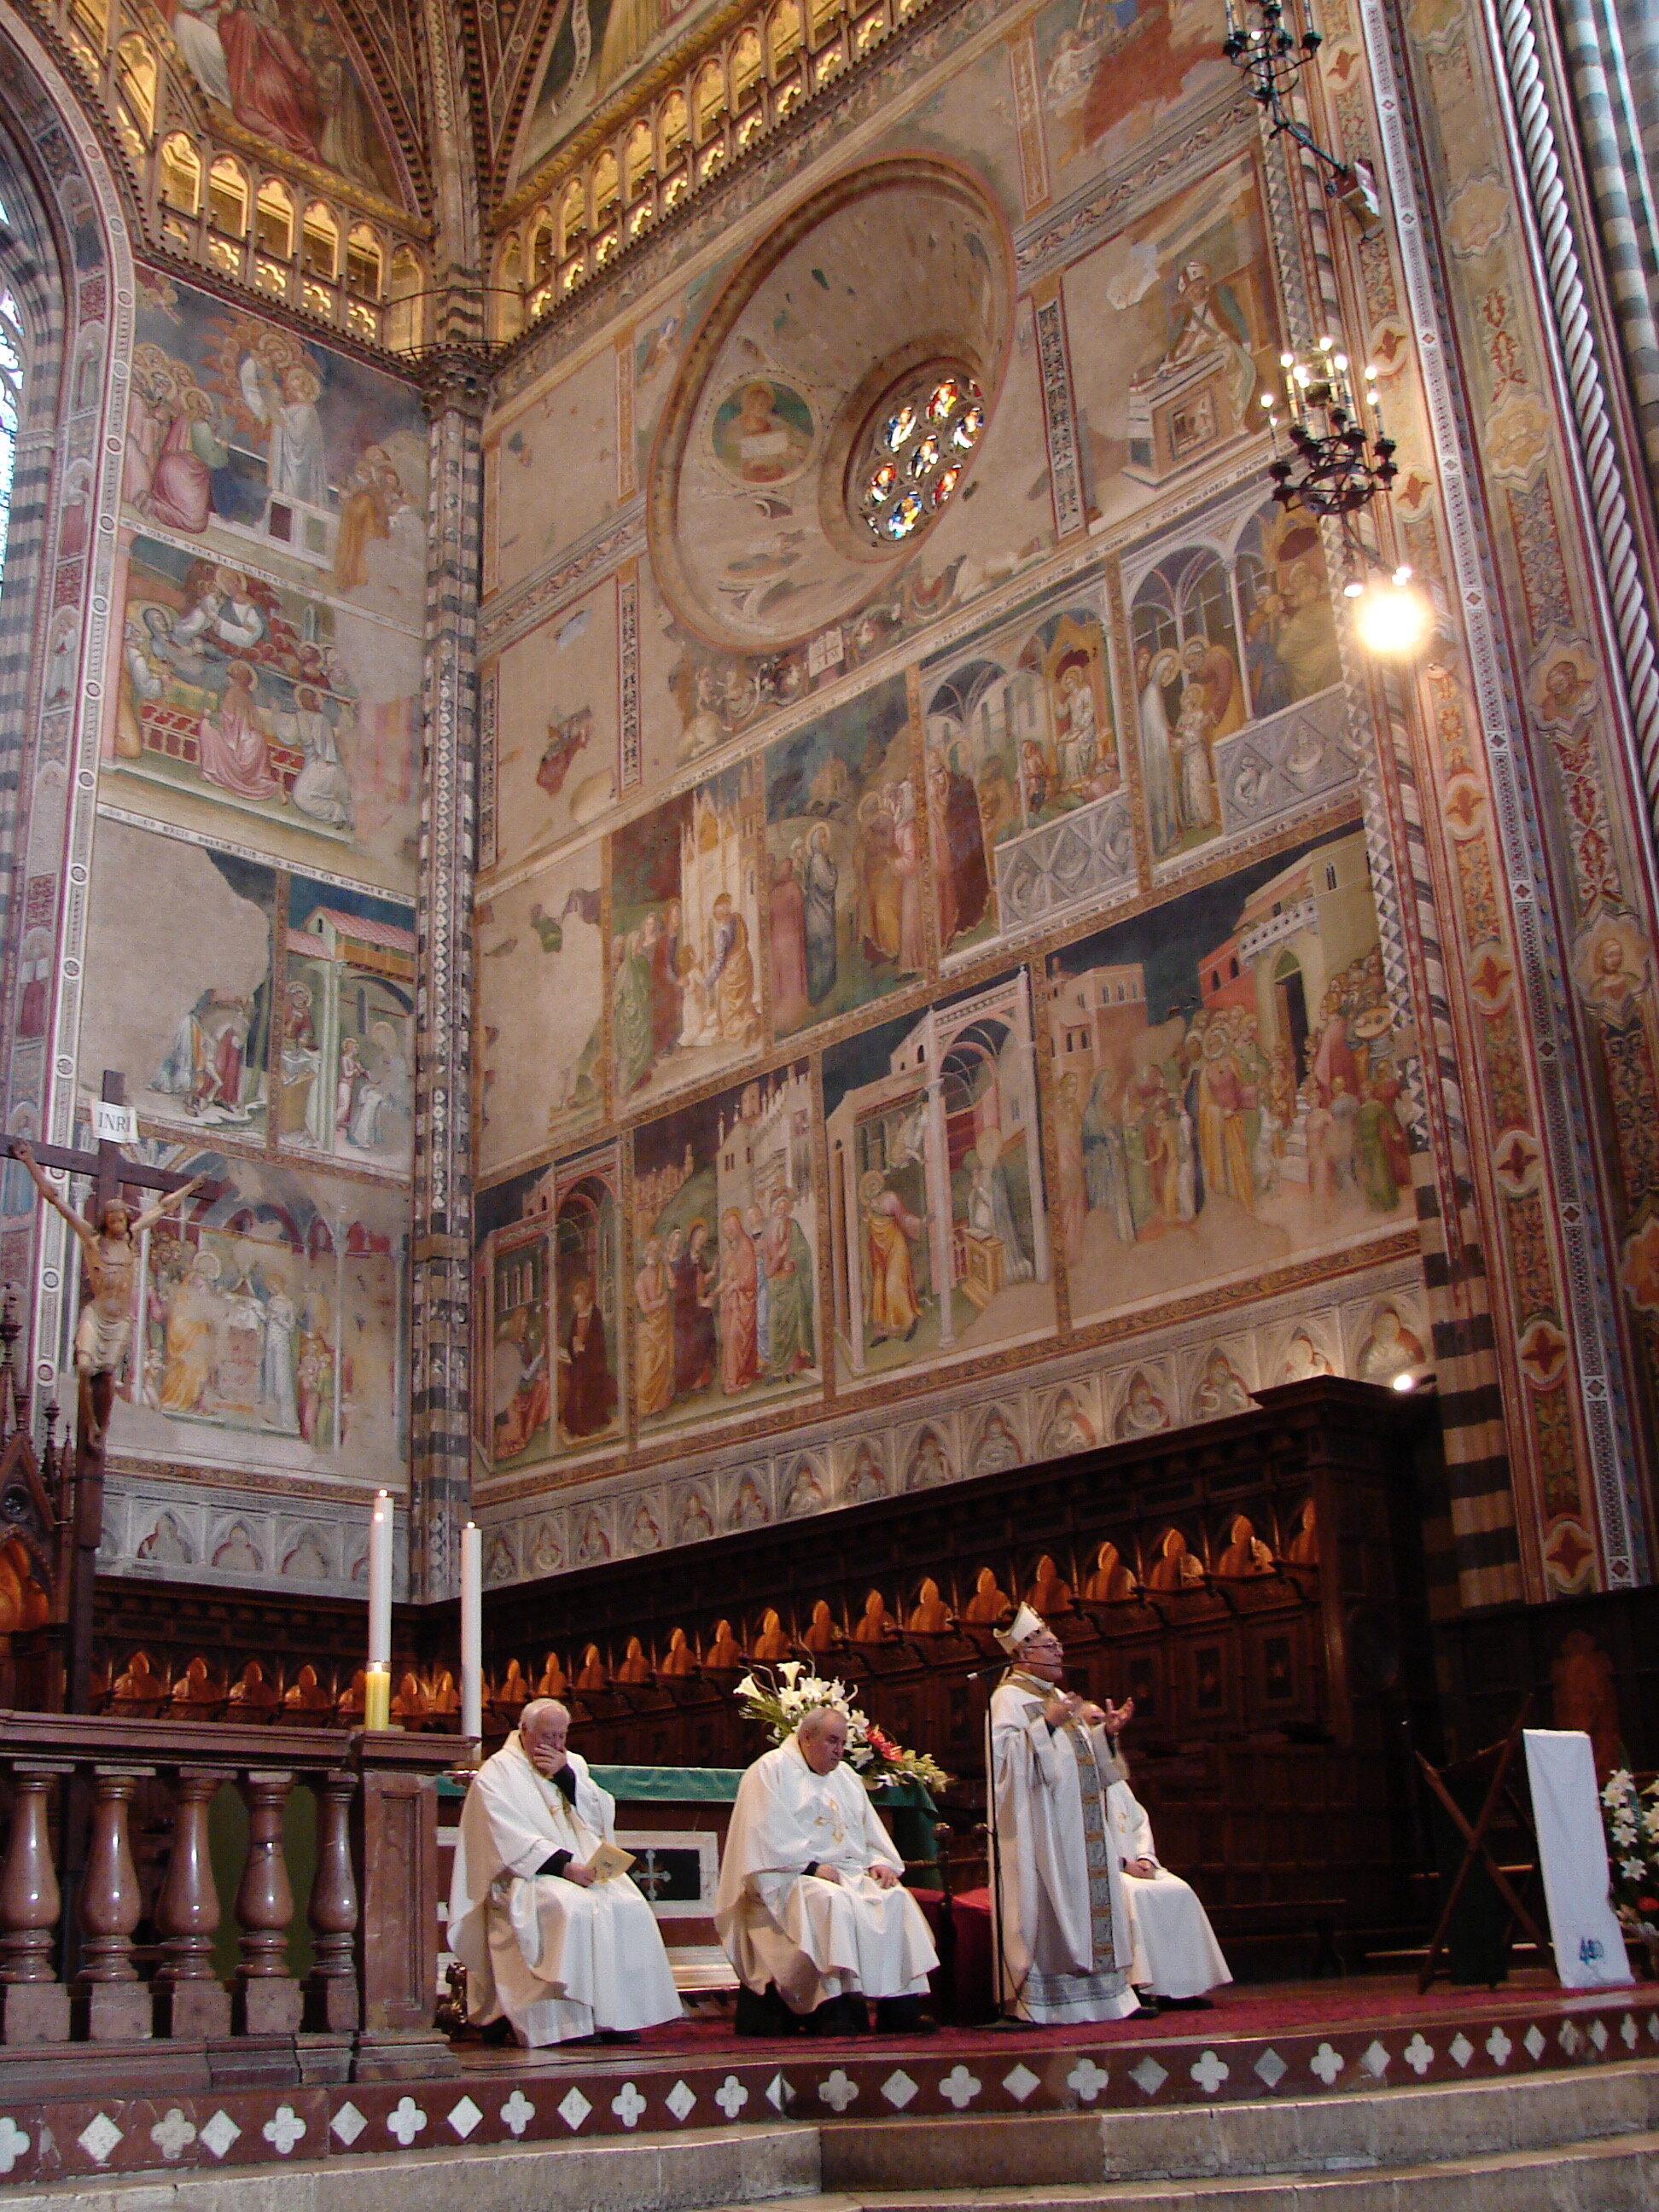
{"x": 377, "y": 1698}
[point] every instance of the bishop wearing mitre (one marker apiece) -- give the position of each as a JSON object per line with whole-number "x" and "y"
{"x": 1061, "y": 1931}
{"x": 810, "y": 1907}
{"x": 559, "y": 1950}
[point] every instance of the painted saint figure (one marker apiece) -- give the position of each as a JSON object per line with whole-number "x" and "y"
{"x": 889, "y": 1227}
{"x": 587, "y": 1389}
{"x": 653, "y": 1334}
{"x": 788, "y": 932}
{"x": 787, "y": 1259}
{"x": 738, "y": 1292}
{"x": 822, "y": 953}
{"x": 232, "y": 745}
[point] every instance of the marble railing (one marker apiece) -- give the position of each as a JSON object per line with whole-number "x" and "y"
{"x": 110, "y": 1910}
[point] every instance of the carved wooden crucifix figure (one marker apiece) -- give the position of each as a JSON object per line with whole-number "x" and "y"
{"x": 109, "y": 1252}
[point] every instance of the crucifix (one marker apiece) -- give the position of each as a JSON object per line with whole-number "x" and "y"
{"x": 109, "y": 1266}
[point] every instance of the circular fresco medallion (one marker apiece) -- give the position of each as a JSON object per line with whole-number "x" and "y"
{"x": 831, "y": 407}
{"x": 763, "y": 433}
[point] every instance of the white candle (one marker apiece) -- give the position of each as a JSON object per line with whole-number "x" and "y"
{"x": 472, "y": 1630}
{"x": 380, "y": 1582}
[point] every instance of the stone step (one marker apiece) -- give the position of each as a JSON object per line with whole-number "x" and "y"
{"x": 1395, "y": 2127}
{"x": 1618, "y": 2174}
{"x": 617, "y": 2173}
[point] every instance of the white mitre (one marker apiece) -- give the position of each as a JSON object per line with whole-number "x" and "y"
{"x": 1027, "y": 1622}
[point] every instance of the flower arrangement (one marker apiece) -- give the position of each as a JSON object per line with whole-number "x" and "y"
{"x": 780, "y": 1702}
{"x": 1631, "y": 1818}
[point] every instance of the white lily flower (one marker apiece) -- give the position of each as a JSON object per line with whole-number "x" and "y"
{"x": 789, "y": 1669}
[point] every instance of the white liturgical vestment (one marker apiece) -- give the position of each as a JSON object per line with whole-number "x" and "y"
{"x": 1175, "y": 1951}
{"x": 1060, "y": 1923}
{"x": 816, "y": 1939}
{"x": 560, "y": 1961}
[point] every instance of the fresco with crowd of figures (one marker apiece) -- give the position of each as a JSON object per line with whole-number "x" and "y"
{"x": 1044, "y": 854}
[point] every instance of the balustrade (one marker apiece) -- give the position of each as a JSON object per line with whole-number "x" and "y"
{"x": 189, "y": 1999}
{"x": 142, "y": 1945}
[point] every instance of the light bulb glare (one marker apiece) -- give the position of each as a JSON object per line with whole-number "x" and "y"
{"x": 1405, "y": 1380}
{"x": 1391, "y": 620}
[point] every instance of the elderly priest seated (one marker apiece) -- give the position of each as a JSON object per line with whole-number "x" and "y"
{"x": 1176, "y": 1957}
{"x": 810, "y": 1907}
{"x": 558, "y": 1946}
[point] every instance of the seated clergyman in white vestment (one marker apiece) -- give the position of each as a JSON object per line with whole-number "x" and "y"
{"x": 1061, "y": 1928}
{"x": 810, "y": 1907}
{"x": 547, "y": 1946}
{"x": 1176, "y": 1957}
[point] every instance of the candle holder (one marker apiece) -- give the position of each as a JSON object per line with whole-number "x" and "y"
{"x": 1271, "y": 43}
{"x": 1336, "y": 457}
{"x": 1334, "y": 462}
{"x": 377, "y": 1697}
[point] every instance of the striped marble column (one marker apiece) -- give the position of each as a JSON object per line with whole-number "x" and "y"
{"x": 456, "y": 385}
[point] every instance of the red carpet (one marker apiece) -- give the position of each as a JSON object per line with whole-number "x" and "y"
{"x": 1371, "y": 2000}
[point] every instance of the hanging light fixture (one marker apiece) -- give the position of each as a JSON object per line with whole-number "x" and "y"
{"x": 1335, "y": 461}
{"x": 1336, "y": 457}
{"x": 1271, "y": 45}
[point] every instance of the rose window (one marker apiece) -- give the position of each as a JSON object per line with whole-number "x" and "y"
{"x": 913, "y": 452}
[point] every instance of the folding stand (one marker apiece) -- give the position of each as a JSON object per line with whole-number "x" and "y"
{"x": 1499, "y": 1791}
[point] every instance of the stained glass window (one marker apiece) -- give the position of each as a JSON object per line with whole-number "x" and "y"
{"x": 911, "y": 458}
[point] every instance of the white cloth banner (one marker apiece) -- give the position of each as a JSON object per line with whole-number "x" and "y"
{"x": 1573, "y": 1851}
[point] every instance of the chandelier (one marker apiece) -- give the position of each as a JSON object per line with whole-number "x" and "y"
{"x": 1336, "y": 459}
{"x": 1271, "y": 46}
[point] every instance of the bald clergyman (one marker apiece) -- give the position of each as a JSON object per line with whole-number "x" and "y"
{"x": 547, "y": 1946}
{"x": 810, "y": 1907}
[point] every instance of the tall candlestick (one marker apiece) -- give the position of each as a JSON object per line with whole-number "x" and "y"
{"x": 472, "y": 1630}
{"x": 380, "y": 1582}
{"x": 377, "y": 1679}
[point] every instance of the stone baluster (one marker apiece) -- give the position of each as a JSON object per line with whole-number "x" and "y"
{"x": 268, "y": 1998}
{"x": 112, "y": 2005}
{"x": 331, "y": 1985}
{"x": 34, "y": 2006}
{"x": 189, "y": 1999}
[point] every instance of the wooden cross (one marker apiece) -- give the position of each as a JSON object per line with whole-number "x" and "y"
{"x": 108, "y": 1168}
